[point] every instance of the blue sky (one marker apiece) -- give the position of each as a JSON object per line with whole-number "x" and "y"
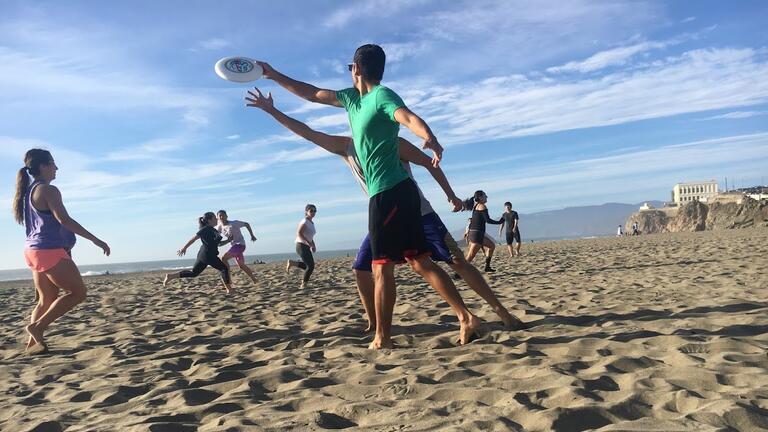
{"x": 547, "y": 104}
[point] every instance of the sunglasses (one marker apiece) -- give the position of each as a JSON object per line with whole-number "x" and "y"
{"x": 349, "y": 66}
{"x": 312, "y": 211}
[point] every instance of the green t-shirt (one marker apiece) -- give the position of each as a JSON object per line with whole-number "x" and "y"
{"x": 375, "y": 133}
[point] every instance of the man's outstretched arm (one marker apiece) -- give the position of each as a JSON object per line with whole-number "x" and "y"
{"x": 419, "y": 127}
{"x": 410, "y": 153}
{"x": 333, "y": 144}
{"x": 299, "y": 88}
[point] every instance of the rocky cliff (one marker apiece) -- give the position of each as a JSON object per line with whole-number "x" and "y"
{"x": 698, "y": 216}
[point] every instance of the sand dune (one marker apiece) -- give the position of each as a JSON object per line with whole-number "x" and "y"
{"x": 652, "y": 333}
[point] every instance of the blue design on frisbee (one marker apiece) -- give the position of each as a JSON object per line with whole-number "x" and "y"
{"x": 239, "y": 65}
{"x": 238, "y": 69}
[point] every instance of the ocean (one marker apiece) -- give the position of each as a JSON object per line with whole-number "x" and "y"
{"x": 169, "y": 265}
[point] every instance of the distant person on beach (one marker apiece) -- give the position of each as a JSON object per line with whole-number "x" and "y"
{"x": 305, "y": 245}
{"x": 396, "y": 234}
{"x": 231, "y": 229}
{"x": 619, "y": 232}
{"x": 635, "y": 228}
{"x": 511, "y": 229}
{"x": 50, "y": 236}
{"x": 208, "y": 255}
{"x": 442, "y": 244}
{"x": 476, "y": 232}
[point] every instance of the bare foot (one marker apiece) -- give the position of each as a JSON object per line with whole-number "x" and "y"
{"x": 469, "y": 329}
{"x": 510, "y": 321}
{"x": 35, "y": 333}
{"x": 378, "y": 344}
{"x": 288, "y": 265}
{"x": 165, "y": 281}
{"x": 38, "y": 348}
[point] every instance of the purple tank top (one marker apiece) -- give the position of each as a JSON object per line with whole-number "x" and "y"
{"x": 43, "y": 230}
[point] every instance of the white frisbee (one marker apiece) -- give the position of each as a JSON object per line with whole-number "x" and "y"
{"x": 238, "y": 69}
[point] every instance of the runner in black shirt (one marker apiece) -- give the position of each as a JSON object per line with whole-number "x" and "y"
{"x": 476, "y": 234}
{"x": 208, "y": 254}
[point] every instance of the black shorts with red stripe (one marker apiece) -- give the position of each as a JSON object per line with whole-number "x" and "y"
{"x": 394, "y": 224}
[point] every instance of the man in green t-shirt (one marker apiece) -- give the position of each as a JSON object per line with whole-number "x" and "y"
{"x": 394, "y": 214}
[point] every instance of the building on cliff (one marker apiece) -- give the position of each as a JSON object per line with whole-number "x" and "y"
{"x": 683, "y": 193}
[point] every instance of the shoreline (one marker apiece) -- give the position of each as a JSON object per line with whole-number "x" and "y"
{"x": 269, "y": 260}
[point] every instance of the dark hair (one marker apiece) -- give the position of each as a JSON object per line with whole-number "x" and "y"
{"x": 508, "y": 204}
{"x": 469, "y": 203}
{"x": 221, "y": 211}
{"x": 32, "y": 161}
{"x": 370, "y": 60}
{"x": 203, "y": 220}
{"x": 309, "y": 207}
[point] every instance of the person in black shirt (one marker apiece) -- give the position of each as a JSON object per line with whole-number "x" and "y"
{"x": 208, "y": 254}
{"x": 511, "y": 229}
{"x": 476, "y": 233}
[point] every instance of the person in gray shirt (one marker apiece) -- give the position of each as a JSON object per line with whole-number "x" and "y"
{"x": 510, "y": 228}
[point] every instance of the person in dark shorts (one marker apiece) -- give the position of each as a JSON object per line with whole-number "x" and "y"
{"x": 208, "y": 255}
{"x": 375, "y": 115}
{"x": 509, "y": 226}
{"x": 441, "y": 243}
{"x": 476, "y": 233}
{"x": 305, "y": 245}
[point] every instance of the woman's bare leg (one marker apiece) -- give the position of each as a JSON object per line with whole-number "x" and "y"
{"x": 66, "y": 277}
{"x": 47, "y": 293}
{"x": 489, "y": 247}
{"x": 244, "y": 267}
{"x": 472, "y": 251}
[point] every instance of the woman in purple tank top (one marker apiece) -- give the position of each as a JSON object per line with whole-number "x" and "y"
{"x": 50, "y": 237}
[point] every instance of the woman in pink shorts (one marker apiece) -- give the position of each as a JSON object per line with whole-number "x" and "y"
{"x": 231, "y": 230}
{"x": 50, "y": 236}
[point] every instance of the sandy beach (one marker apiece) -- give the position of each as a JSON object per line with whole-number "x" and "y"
{"x": 653, "y": 333}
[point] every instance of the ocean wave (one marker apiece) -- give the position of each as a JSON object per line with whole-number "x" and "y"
{"x": 176, "y": 268}
{"x": 94, "y": 273}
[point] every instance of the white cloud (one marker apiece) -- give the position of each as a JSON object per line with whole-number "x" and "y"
{"x": 737, "y": 115}
{"x": 213, "y": 44}
{"x": 698, "y": 80}
{"x": 613, "y": 57}
{"x": 398, "y": 51}
{"x": 688, "y": 19}
{"x": 82, "y": 69}
{"x": 340, "y": 119}
{"x": 233, "y": 137}
{"x": 609, "y": 175}
{"x": 196, "y": 119}
{"x": 373, "y": 8}
{"x": 148, "y": 150}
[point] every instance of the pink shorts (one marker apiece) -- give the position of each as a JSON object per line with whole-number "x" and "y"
{"x": 41, "y": 260}
{"x": 236, "y": 252}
